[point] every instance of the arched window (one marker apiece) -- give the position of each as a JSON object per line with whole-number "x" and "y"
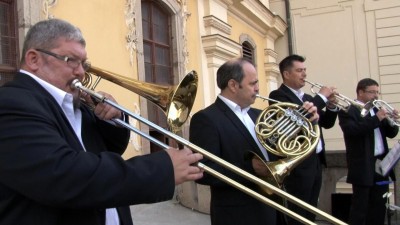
{"x": 8, "y": 40}
{"x": 248, "y": 51}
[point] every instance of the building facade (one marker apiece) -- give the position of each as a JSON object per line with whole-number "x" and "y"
{"x": 159, "y": 41}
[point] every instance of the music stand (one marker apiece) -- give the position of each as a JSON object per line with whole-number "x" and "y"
{"x": 390, "y": 208}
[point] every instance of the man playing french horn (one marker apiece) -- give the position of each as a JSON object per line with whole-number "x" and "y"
{"x": 226, "y": 129}
{"x": 304, "y": 181}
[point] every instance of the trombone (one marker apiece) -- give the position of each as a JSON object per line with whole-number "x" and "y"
{"x": 101, "y": 98}
{"x": 347, "y": 102}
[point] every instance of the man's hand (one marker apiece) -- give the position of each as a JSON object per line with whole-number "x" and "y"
{"x": 183, "y": 161}
{"x": 332, "y": 100}
{"x": 312, "y": 110}
{"x": 382, "y": 114}
{"x": 259, "y": 167}
{"x": 103, "y": 111}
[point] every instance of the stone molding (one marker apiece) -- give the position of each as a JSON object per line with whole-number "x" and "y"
{"x": 212, "y": 23}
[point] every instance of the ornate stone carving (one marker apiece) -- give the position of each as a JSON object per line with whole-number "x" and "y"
{"x": 184, "y": 14}
{"x": 131, "y": 36}
{"x": 47, "y": 4}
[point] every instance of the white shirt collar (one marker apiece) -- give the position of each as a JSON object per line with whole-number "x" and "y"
{"x": 232, "y": 105}
{"x": 299, "y": 93}
{"x": 58, "y": 94}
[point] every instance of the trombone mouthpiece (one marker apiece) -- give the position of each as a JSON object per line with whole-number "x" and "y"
{"x": 76, "y": 84}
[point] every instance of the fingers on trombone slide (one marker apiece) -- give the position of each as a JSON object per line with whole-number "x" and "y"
{"x": 184, "y": 162}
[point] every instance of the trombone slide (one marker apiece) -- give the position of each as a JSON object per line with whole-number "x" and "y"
{"x": 250, "y": 177}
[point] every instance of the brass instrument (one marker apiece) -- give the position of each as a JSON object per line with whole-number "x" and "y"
{"x": 379, "y": 104}
{"x": 344, "y": 102}
{"x": 284, "y": 130}
{"x": 101, "y": 98}
{"x": 175, "y": 101}
{"x": 363, "y": 107}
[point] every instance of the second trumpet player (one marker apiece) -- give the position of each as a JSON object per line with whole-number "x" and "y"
{"x": 305, "y": 180}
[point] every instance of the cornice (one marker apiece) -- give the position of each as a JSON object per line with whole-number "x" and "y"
{"x": 258, "y": 17}
{"x": 219, "y": 46}
{"x": 213, "y": 22}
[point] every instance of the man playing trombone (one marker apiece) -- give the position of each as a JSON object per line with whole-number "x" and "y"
{"x": 365, "y": 139}
{"x": 226, "y": 129}
{"x": 60, "y": 162}
{"x": 304, "y": 181}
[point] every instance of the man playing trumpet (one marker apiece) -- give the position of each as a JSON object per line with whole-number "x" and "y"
{"x": 365, "y": 139}
{"x": 304, "y": 181}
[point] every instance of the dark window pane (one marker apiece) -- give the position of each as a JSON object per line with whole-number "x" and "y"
{"x": 161, "y": 28}
{"x": 157, "y": 53}
{"x": 148, "y": 72}
{"x": 8, "y": 41}
{"x": 162, "y": 56}
{"x": 147, "y": 52}
{"x": 163, "y": 75}
{"x": 4, "y": 77}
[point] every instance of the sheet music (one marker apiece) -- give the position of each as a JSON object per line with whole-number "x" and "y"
{"x": 383, "y": 167}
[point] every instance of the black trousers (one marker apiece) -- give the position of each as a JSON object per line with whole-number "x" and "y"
{"x": 368, "y": 205}
{"x": 304, "y": 182}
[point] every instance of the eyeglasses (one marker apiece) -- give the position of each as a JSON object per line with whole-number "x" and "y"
{"x": 373, "y": 92}
{"x": 73, "y": 63}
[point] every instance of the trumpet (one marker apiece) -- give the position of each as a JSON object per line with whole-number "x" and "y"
{"x": 380, "y": 104}
{"x": 344, "y": 102}
{"x": 347, "y": 102}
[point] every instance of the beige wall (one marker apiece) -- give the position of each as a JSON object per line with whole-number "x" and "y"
{"x": 345, "y": 41}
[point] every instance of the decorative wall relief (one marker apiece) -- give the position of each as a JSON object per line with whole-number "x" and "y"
{"x": 131, "y": 36}
{"x": 47, "y": 4}
{"x": 184, "y": 14}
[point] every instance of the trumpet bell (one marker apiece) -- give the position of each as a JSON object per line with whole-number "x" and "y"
{"x": 175, "y": 101}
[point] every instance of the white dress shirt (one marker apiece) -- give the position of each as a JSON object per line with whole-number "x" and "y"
{"x": 74, "y": 116}
{"x": 379, "y": 149}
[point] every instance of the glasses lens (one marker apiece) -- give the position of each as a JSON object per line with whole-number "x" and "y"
{"x": 373, "y": 92}
{"x": 73, "y": 63}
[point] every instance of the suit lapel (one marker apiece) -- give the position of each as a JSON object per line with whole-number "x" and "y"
{"x": 289, "y": 93}
{"x": 27, "y": 82}
{"x": 238, "y": 124}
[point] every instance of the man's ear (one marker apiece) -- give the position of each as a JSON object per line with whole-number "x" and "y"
{"x": 32, "y": 60}
{"x": 233, "y": 85}
{"x": 285, "y": 75}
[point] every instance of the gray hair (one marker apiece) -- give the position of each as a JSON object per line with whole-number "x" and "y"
{"x": 46, "y": 33}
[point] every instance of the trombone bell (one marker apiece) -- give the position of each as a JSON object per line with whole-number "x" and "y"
{"x": 176, "y": 101}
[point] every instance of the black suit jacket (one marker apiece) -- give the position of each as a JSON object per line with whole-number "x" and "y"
{"x": 218, "y": 130}
{"x": 326, "y": 120}
{"x": 358, "y": 135}
{"x": 46, "y": 177}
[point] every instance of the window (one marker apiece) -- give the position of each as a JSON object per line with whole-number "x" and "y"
{"x": 248, "y": 51}
{"x": 157, "y": 57}
{"x": 8, "y": 40}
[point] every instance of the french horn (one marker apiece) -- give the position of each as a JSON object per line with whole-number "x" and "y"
{"x": 284, "y": 130}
